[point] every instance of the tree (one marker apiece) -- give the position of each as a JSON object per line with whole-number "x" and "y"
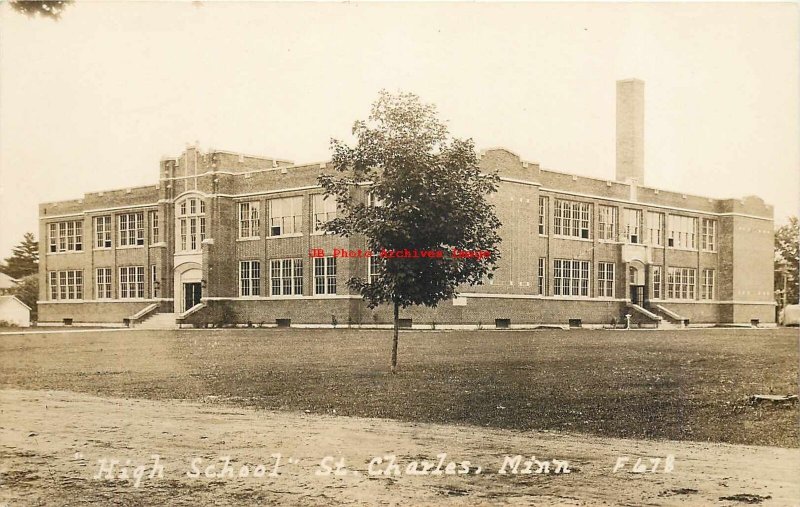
{"x": 787, "y": 259}
{"x": 47, "y": 8}
{"x": 27, "y": 290}
{"x": 430, "y": 196}
{"x": 24, "y": 259}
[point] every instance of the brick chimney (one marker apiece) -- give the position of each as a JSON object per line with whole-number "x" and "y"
{"x": 630, "y": 131}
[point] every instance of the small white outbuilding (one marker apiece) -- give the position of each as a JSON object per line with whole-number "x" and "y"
{"x": 790, "y": 316}
{"x": 14, "y": 311}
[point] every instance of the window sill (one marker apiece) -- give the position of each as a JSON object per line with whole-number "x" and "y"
{"x": 292, "y": 235}
{"x": 252, "y": 238}
{"x": 129, "y": 247}
{"x": 102, "y": 249}
{"x": 573, "y": 238}
{"x": 322, "y": 233}
{"x": 67, "y": 252}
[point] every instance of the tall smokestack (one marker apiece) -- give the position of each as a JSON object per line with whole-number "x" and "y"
{"x": 630, "y": 130}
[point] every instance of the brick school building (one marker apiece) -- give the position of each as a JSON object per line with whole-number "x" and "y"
{"x": 225, "y": 237}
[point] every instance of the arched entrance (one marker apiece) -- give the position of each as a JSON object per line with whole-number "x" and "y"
{"x": 188, "y": 285}
{"x": 636, "y": 282}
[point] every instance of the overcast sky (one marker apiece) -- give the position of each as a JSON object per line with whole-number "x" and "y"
{"x": 92, "y": 102}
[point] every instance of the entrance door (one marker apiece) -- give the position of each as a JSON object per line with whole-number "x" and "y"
{"x": 192, "y": 292}
{"x": 637, "y": 294}
{"x": 636, "y": 283}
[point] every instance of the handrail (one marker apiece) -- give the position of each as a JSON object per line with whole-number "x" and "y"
{"x": 644, "y": 312}
{"x": 147, "y": 310}
{"x": 196, "y": 308}
{"x": 670, "y": 313}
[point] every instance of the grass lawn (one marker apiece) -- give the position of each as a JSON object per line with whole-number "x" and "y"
{"x": 684, "y": 385}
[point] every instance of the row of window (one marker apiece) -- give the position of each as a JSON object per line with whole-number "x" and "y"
{"x": 286, "y": 277}
{"x": 571, "y": 278}
{"x": 68, "y": 236}
{"x": 572, "y": 219}
{"x": 67, "y": 285}
{"x": 285, "y": 215}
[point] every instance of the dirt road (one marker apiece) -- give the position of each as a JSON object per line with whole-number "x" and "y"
{"x": 52, "y": 442}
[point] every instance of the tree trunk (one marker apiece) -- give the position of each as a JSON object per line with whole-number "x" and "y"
{"x": 396, "y": 336}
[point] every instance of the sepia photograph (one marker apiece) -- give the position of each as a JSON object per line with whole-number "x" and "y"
{"x": 408, "y": 254}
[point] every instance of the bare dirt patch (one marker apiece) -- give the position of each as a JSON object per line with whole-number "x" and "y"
{"x": 52, "y": 441}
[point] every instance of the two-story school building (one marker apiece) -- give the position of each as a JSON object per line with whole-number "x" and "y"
{"x": 225, "y": 237}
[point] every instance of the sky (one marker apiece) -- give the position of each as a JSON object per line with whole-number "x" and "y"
{"x": 92, "y": 102}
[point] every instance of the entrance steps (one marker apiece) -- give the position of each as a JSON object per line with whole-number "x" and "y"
{"x": 159, "y": 321}
{"x": 669, "y": 317}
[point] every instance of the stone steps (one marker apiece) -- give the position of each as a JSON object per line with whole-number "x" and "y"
{"x": 159, "y": 321}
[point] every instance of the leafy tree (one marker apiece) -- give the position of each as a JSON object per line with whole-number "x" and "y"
{"x": 430, "y": 196}
{"x": 787, "y": 259}
{"x": 24, "y": 259}
{"x": 27, "y": 290}
{"x": 47, "y": 8}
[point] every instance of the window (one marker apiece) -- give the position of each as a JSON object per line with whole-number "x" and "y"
{"x": 184, "y": 235}
{"x": 325, "y": 275}
{"x": 605, "y": 280}
{"x": 103, "y": 283}
{"x": 324, "y": 210}
{"x": 191, "y": 227}
{"x": 192, "y": 234}
{"x": 102, "y": 232}
{"x": 608, "y": 223}
{"x": 373, "y": 269}
{"x": 131, "y": 282}
{"x": 655, "y": 228}
{"x": 656, "y": 272}
{"x": 131, "y": 229}
{"x": 681, "y": 283}
{"x": 682, "y": 232}
{"x": 249, "y": 223}
{"x": 285, "y": 216}
{"x": 708, "y": 235}
{"x": 541, "y": 279}
{"x": 66, "y": 236}
{"x": 249, "y": 278}
{"x": 65, "y": 285}
{"x": 707, "y": 289}
{"x": 543, "y": 216}
{"x": 155, "y": 284}
{"x": 633, "y": 220}
{"x": 571, "y": 218}
{"x": 570, "y": 278}
{"x": 53, "y": 281}
{"x": 633, "y": 276}
{"x": 154, "y": 228}
{"x": 286, "y": 277}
